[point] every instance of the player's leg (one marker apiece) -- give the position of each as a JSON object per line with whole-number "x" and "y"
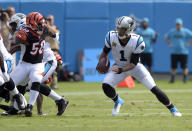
{"x": 36, "y": 76}
{"x": 44, "y": 89}
{"x": 10, "y": 85}
{"x": 48, "y": 70}
{"x": 4, "y": 94}
{"x": 110, "y": 81}
{"x": 39, "y": 104}
{"x": 184, "y": 66}
{"x": 142, "y": 75}
{"x": 174, "y": 60}
{"x": 54, "y": 80}
{"x": 61, "y": 102}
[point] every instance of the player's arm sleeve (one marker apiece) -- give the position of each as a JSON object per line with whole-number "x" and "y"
{"x": 107, "y": 46}
{"x": 135, "y": 58}
{"x": 140, "y": 46}
{"x": 106, "y": 49}
{"x": 108, "y": 40}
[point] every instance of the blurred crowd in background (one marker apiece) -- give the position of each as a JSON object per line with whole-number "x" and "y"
{"x": 178, "y": 38}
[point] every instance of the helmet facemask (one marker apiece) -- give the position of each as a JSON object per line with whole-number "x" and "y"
{"x": 39, "y": 28}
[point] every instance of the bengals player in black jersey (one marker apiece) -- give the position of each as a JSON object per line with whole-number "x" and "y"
{"x": 31, "y": 41}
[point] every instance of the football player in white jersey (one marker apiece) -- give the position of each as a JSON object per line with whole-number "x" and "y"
{"x": 126, "y": 48}
{"x": 5, "y": 81}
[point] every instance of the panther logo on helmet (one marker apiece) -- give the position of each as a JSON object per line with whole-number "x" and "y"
{"x": 125, "y": 23}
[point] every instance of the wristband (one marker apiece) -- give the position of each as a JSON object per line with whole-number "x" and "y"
{"x": 120, "y": 70}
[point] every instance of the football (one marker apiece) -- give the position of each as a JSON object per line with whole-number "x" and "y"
{"x": 103, "y": 65}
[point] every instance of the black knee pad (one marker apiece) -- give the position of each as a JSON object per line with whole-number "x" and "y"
{"x": 35, "y": 86}
{"x": 22, "y": 89}
{"x": 161, "y": 96}
{"x": 10, "y": 85}
{"x": 44, "y": 89}
{"x": 109, "y": 90}
{"x": 4, "y": 93}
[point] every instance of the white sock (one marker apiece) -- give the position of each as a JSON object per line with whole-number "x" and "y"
{"x": 33, "y": 96}
{"x": 14, "y": 92}
{"x": 53, "y": 95}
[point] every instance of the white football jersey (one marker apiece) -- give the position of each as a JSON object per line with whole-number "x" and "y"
{"x": 122, "y": 54}
{"x": 6, "y": 54}
{"x": 48, "y": 53}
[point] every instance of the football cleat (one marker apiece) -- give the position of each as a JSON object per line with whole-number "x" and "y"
{"x": 19, "y": 101}
{"x": 117, "y": 106}
{"x": 62, "y": 105}
{"x": 175, "y": 112}
{"x": 11, "y": 111}
{"x": 28, "y": 110}
{"x": 42, "y": 114}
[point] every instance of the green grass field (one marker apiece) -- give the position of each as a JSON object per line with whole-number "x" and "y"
{"x": 90, "y": 110}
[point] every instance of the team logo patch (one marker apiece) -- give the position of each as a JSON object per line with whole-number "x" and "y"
{"x": 114, "y": 44}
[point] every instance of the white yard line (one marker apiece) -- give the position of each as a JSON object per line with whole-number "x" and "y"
{"x": 80, "y": 93}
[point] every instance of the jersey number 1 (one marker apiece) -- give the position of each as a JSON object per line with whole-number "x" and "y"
{"x": 122, "y": 56}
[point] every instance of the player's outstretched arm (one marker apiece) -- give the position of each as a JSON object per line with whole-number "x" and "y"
{"x": 15, "y": 48}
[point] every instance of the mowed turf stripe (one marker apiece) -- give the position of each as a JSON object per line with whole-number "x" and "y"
{"x": 76, "y": 93}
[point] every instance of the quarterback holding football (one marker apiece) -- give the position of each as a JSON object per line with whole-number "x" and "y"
{"x": 126, "y": 48}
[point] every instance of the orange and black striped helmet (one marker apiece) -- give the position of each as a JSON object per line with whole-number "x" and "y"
{"x": 35, "y": 21}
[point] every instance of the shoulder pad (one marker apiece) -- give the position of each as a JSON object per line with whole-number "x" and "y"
{"x": 140, "y": 46}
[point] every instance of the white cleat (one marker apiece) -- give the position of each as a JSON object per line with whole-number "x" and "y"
{"x": 117, "y": 106}
{"x": 175, "y": 112}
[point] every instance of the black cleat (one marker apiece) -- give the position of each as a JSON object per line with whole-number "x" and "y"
{"x": 11, "y": 111}
{"x": 62, "y": 105}
{"x": 18, "y": 100}
{"x": 28, "y": 110}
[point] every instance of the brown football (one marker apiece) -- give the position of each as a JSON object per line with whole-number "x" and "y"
{"x": 103, "y": 65}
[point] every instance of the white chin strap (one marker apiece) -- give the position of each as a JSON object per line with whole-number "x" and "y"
{"x": 122, "y": 37}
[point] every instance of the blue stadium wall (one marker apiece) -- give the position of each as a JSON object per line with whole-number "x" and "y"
{"x": 84, "y": 23}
